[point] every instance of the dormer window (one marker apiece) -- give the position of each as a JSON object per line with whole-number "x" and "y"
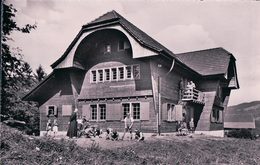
{"x": 121, "y": 45}
{"x": 107, "y": 48}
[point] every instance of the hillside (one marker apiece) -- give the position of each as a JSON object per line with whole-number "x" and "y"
{"x": 17, "y": 148}
{"x": 244, "y": 109}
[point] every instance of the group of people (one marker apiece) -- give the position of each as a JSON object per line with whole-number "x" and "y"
{"x": 81, "y": 128}
{"x": 184, "y": 127}
{"x": 112, "y": 134}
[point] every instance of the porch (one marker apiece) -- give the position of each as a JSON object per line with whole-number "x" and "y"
{"x": 193, "y": 95}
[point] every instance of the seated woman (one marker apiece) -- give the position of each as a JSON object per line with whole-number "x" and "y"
{"x": 139, "y": 135}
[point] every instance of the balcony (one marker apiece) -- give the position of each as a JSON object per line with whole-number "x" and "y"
{"x": 193, "y": 95}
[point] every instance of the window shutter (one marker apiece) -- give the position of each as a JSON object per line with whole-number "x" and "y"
{"x": 145, "y": 110}
{"x": 47, "y": 110}
{"x": 178, "y": 109}
{"x": 173, "y": 109}
{"x": 114, "y": 111}
{"x": 86, "y": 111}
{"x": 66, "y": 110}
{"x": 220, "y": 116}
{"x": 55, "y": 111}
{"x": 164, "y": 112}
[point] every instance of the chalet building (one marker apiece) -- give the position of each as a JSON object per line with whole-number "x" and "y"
{"x": 112, "y": 68}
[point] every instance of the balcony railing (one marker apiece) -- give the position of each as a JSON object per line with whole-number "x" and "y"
{"x": 193, "y": 95}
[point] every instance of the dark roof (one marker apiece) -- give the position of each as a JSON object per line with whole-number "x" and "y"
{"x": 139, "y": 35}
{"x": 207, "y": 62}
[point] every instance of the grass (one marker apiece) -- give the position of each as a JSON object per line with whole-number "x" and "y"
{"x": 17, "y": 148}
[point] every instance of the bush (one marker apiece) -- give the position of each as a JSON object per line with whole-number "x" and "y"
{"x": 241, "y": 133}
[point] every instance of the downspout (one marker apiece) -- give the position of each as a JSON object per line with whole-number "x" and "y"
{"x": 159, "y": 119}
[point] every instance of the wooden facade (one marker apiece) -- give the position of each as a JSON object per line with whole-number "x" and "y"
{"x": 112, "y": 67}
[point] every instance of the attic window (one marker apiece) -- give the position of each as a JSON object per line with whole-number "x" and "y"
{"x": 121, "y": 45}
{"x": 107, "y": 48}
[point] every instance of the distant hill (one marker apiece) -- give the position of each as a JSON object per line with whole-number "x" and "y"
{"x": 244, "y": 109}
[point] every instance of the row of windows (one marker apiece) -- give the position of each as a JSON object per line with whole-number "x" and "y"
{"x": 122, "y": 45}
{"x": 115, "y": 74}
{"x": 98, "y": 111}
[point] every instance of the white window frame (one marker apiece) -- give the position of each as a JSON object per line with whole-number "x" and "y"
{"x": 131, "y": 110}
{"x": 131, "y": 72}
{"x": 105, "y": 74}
{"x": 91, "y": 114}
{"x": 55, "y": 109}
{"x": 119, "y": 73}
{"x": 102, "y": 71}
{"x": 92, "y": 76}
{"x": 112, "y": 74}
{"x": 98, "y": 112}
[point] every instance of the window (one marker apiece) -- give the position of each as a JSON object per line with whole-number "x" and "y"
{"x": 93, "y": 112}
{"x": 216, "y": 115}
{"x": 121, "y": 45}
{"x": 100, "y": 75}
{"x": 121, "y": 73}
{"x": 136, "y": 110}
{"x": 102, "y": 111}
{"x": 171, "y": 112}
{"x": 133, "y": 109}
{"x": 107, "y": 48}
{"x": 126, "y": 109}
{"x": 136, "y": 71}
{"x": 94, "y": 76}
{"x": 51, "y": 110}
{"x": 128, "y": 72}
{"x": 107, "y": 74}
{"x": 114, "y": 74}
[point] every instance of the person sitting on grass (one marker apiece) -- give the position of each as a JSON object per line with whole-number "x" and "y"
{"x": 98, "y": 132}
{"x": 129, "y": 121}
{"x": 114, "y": 135}
{"x": 109, "y": 133}
{"x": 139, "y": 135}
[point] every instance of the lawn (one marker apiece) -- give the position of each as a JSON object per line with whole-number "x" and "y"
{"x": 17, "y": 148}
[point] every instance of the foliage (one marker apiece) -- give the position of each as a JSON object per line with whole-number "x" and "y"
{"x": 17, "y": 75}
{"x": 40, "y": 74}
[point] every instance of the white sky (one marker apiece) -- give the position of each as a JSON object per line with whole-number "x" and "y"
{"x": 181, "y": 26}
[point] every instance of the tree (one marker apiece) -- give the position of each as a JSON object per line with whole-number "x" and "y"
{"x": 40, "y": 74}
{"x": 17, "y": 75}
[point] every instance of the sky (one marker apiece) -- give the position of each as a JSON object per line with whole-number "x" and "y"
{"x": 181, "y": 26}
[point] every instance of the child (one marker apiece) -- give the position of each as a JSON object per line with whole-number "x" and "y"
{"x": 139, "y": 135}
{"x": 114, "y": 135}
{"x": 55, "y": 127}
{"x": 98, "y": 132}
{"x": 109, "y": 133}
{"x": 129, "y": 121}
{"x": 191, "y": 125}
{"x": 48, "y": 127}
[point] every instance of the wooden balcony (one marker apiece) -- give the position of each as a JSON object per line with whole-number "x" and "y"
{"x": 193, "y": 95}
